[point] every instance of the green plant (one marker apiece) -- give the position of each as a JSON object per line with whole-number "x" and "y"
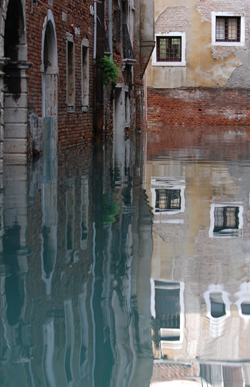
{"x": 110, "y": 71}
{"x": 110, "y": 209}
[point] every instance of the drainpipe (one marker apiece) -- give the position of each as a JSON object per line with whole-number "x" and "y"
{"x": 110, "y": 28}
{"x": 95, "y": 34}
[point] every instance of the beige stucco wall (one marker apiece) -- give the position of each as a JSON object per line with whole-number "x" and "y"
{"x": 207, "y": 65}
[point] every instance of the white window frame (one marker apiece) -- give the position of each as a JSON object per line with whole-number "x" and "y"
{"x": 167, "y": 183}
{"x": 181, "y": 35}
{"x": 240, "y": 229}
{"x": 217, "y": 324}
{"x": 242, "y": 29}
{"x": 165, "y": 331}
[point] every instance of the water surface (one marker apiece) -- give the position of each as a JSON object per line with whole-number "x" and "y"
{"x": 198, "y": 186}
{"x": 121, "y": 272}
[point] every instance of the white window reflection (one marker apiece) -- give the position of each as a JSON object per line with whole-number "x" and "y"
{"x": 167, "y": 196}
{"x": 167, "y": 311}
{"x": 226, "y": 221}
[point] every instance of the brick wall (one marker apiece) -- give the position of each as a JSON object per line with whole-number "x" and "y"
{"x": 77, "y": 126}
{"x": 199, "y": 106}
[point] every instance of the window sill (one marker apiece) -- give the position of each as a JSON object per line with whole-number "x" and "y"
{"x": 229, "y": 44}
{"x": 71, "y": 109}
{"x": 85, "y": 108}
{"x": 169, "y": 64}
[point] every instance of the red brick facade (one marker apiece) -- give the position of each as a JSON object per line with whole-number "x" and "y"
{"x": 199, "y": 106}
{"x": 76, "y": 126}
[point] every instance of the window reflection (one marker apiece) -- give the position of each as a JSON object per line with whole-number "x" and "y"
{"x": 218, "y": 308}
{"x": 226, "y": 218}
{"x": 168, "y": 199}
{"x": 167, "y": 317}
{"x": 226, "y": 221}
{"x": 245, "y": 308}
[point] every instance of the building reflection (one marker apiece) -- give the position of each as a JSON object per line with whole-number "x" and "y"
{"x": 75, "y": 273}
{"x": 200, "y": 264}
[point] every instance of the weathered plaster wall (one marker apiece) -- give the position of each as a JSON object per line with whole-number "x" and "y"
{"x": 206, "y": 65}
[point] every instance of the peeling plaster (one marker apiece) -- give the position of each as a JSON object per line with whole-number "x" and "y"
{"x": 206, "y": 65}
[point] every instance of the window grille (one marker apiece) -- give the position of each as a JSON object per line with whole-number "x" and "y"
{"x": 128, "y": 52}
{"x": 226, "y": 218}
{"x": 227, "y": 29}
{"x": 168, "y": 49}
{"x": 167, "y": 306}
{"x": 168, "y": 199}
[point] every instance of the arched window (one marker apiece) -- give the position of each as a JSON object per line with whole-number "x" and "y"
{"x": 49, "y": 66}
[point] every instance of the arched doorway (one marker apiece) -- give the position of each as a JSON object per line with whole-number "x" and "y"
{"x": 49, "y": 112}
{"x": 49, "y": 67}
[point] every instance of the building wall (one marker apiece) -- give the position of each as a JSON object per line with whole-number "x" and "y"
{"x": 213, "y": 67}
{"x": 198, "y": 106}
{"x": 75, "y": 23}
{"x": 207, "y": 64}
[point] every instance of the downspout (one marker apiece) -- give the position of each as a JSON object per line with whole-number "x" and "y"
{"x": 110, "y": 28}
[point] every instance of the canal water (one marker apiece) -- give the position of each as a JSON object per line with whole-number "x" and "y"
{"x": 126, "y": 269}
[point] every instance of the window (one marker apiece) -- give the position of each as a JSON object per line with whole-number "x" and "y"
{"x": 226, "y": 221}
{"x": 85, "y": 75}
{"x": 228, "y": 29}
{"x": 167, "y": 199}
{"x": 167, "y": 311}
{"x": 117, "y": 26}
{"x": 245, "y": 308}
{"x": 218, "y": 308}
{"x": 168, "y": 49}
{"x": 226, "y": 218}
{"x": 70, "y": 72}
{"x": 167, "y": 307}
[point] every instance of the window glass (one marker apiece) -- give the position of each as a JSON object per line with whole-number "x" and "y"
{"x": 227, "y": 29}
{"x": 168, "y": 199}
{"x": 169, "y": 49}
{"x": 226, "y": 218}
{"x": 218, "y": 308}
{"x": 167, "y": 306}
{"x": 245, "y": 307}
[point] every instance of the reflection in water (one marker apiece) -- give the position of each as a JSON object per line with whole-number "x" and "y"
{"x": 75, "y": 307}
{"x": 200, "y": 293}
{"x": 99, "y": 289}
